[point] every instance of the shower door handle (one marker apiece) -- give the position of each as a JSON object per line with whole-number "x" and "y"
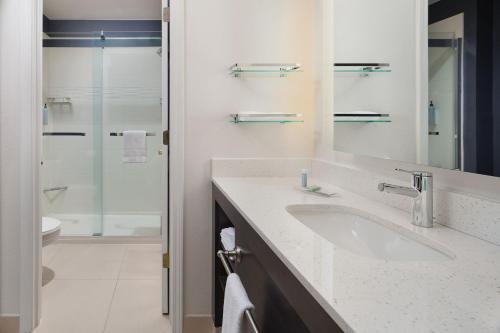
{"x": 165, "y": 137}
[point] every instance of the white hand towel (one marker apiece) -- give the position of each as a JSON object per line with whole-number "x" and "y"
{"x": 227, "y": 238}
{"x": 134, "y": 146}
{"x": 236, "y": 302}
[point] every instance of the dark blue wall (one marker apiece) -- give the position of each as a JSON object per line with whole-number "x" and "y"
{"x": 102, "y": 43}
{"x": 112, "y": 28}
{"x": 150, "y": 30}
{"x": 496, "y": 89}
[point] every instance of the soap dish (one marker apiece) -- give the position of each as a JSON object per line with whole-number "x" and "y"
{"x": 314, "y": 189}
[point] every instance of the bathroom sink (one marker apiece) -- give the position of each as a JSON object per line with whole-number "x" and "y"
{"x": 364, "y": 234}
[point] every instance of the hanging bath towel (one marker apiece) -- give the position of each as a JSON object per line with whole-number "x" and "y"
{"x": 134, "y": 146}
{"x": 236, "y": 302}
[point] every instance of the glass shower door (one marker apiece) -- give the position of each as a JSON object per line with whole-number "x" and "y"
{"x": 445, "y": 102}
{"x": 132, "y": 192}
{"x": 96, "y": 89}
{"x": 72, "y": 136}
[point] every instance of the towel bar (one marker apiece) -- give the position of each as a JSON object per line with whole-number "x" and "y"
{"x": 237, "y": 255}
{"x": 63, "y": 134}
{"x": 121, "y": 134}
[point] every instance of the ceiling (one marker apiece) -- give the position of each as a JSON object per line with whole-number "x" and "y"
{"x": 102, "y": 9}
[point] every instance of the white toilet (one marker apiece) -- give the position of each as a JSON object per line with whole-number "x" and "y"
{"x": 51, "y": 228}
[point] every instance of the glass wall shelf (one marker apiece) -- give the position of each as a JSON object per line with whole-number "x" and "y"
{"x": 363, "y": 68}
{"x": 363, "y": 121}
{"x": 362, "y": 117}
{"x": 257, "y": 117}
{"x": 281, "y": 70}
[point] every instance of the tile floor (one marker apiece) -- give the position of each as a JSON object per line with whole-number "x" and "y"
{"x": 101, "y": 288}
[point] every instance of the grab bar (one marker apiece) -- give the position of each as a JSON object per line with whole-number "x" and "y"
{"x": 236, "y": 255}
{"x": 121, "y": 134}
{"x": 58, "y": 188}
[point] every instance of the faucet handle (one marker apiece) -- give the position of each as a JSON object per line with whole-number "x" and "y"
{"x": 420, "y": 179}
{"x": 416, "y": 173}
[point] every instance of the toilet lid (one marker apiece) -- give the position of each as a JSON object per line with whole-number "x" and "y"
{"x": 50, "y": 224}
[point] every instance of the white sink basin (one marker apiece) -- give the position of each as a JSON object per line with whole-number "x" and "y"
{"x": 364, "y": 234}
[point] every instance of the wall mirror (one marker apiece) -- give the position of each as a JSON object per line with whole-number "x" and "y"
{"x": 419, "y": 84}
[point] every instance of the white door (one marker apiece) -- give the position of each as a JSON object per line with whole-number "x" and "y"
{"x": 165, "y": 109}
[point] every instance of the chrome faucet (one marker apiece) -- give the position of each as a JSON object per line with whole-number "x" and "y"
{"x": 421, "y": 191}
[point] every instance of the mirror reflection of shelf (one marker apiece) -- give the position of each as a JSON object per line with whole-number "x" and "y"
{"x": 121, "y": 134}
{"x": 362, "y": 68}
{"x": 59, "y": 100}
{"x": 280, "y": 70}
{"x": 362, "y": 117}
{"x": 259, "y": 117}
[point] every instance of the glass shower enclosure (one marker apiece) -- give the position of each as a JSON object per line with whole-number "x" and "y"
{"x": 445, "y": 101}
{"x": 94, "y": 90}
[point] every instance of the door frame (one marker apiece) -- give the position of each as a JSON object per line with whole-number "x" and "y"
{"x": 30, "y": 94}
{"x": 30, "y": 103}
{"x": 422, "y": 80}
{"x": 176, "y": 162}
{"x": 165, "y": 106}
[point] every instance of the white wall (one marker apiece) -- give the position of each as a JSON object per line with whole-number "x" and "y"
{"x": 452, "y": 27}
{"x": 16, "y": 153}
{"x": 218, "y": 34}
{"x": 9, "y": 158}
{"x": 377, "y": 31}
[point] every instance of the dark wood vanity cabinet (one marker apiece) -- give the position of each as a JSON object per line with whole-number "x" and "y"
{"x": 281, "y": 303}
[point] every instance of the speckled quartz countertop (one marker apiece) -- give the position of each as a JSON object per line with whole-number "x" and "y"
{"x": 369, "y": 295}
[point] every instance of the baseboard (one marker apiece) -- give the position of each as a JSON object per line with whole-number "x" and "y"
{"x": 9, "y": 324}
{"x": 109, "y": 240}
{"x": 198, "y": 324}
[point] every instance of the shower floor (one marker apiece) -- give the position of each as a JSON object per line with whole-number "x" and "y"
{"x": 112, "y": 225}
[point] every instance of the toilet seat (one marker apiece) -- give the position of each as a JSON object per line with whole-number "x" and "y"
{"x": 51, "y": 228}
